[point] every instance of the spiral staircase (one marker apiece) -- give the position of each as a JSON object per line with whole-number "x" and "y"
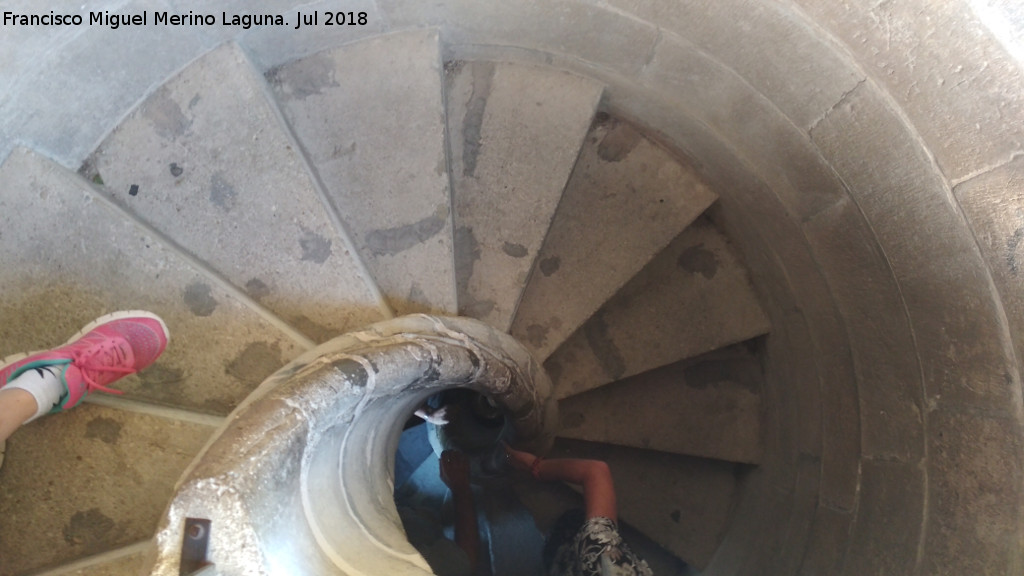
{"x": 797, "y": 348}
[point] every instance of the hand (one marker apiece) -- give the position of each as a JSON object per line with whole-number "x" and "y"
{"x": 437, "y": 417}
{"x": 520, "y": 460}
{"x": 455, "y": 470}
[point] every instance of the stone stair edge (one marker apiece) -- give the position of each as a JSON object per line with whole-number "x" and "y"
{"x": 90, "y": 188}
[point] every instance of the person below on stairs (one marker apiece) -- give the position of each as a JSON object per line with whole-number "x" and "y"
{"x": 106, "y": 350}
{"x": 445, "y": 557}
{"x": 583, "y": 542}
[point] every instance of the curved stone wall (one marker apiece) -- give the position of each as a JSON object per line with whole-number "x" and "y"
{"x": 868, "y": 160}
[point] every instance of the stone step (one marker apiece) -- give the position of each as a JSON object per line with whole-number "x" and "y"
{"x": 88, "y": 481}
{"x": 370, "y": 118}
{"x": 514, "y": 132}
{"x": 207, "y": 161}
{"x": 683, "y": 504}
{"x": 626, "y": 200}
{"x": 709, "y": 406}
{"x": 697, "y": 278}
{"x": 71, "y": 256}
{"x": 128, "y": 560}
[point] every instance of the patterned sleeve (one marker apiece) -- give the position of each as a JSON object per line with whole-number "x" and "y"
{"x": 598, "y": 550}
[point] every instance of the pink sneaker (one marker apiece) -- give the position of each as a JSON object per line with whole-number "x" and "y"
{"x": 109, "y": 348}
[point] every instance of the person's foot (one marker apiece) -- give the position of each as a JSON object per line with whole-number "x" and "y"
{"x": 108, "y": 349}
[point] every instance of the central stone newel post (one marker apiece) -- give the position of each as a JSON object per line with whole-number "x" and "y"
{"x": 299, "y": 480}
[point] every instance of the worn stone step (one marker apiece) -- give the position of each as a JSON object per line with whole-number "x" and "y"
{"x": 207, "y": 161}
{"x": 87, "y": 481}
{"x": 709, "y": 406}
{"x": 682, "y": 504}
{"x": 370, "y": 118}
{"x": 626, "y": 200}
{"x": 71, "y": 256}
{"x": 698, "y": 278}
{"x": 130, "y": 559}
{"x": 515, "y": 132}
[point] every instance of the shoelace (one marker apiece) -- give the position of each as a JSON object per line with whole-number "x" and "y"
{"x": 106, "y": 356}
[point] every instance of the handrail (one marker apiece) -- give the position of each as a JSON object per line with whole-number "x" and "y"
{"x": 299, "y": 479}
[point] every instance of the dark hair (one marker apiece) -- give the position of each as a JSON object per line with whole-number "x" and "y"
{"x": 564, "y": 532}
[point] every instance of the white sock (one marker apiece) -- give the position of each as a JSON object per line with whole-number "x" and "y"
{"x": 44, "y": 384}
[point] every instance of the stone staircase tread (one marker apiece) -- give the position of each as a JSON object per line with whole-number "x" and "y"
{"x": 77, "y": 258}
{"x": 515, "y": 132}
{"x": 708, "y": 407}
{"x": 206, "y": 161}
{"x": 683, "y": 504}
{"x": 697, "y": 278}
{"x": 128, "y": 560}
{"x": 370, "y": 119}
{"x": 88, "y": 481}
{"x": 626, "y": 200}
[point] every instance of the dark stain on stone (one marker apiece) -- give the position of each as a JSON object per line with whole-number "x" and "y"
{"x": 257, "y": 361}
{"x": 477, "y": 308}
{"x": 315, "y": 248}
{"x": 305, "y": 78}
{"x": 166, "y": 116}
{"x": 699, "y": 260}
{"x": 467, "y": 252}
{"x": 353, "y": 372}
{"x": 676, "y": 516}
{"x": 620, "y": 140}
{"x": 133, "y": 190}
{"x": 340, "y": 152}
{"x": 573, "y": 419}
{"x": 160, "y": 376}
{"x": 1012, "y": 243}
{"x": 106, "y": 429}
{"x": 97, "y": 179}
{"x": 199, "y": 299}
{"x": 550, "y": 265}
{"x": 88, "y": 529}
{"x": 607, "y": 353}
{"x": 483, "y": 75}
{"x": 195, "y": 100}
{"x": 536, "y": 334}
{"x": 310, "y": 328}
{"x": 219, "y": 406}
{"x": 391, "y": 241}
{"x": 417, "y": 296}
{"x": 554, "y": 369}
{"x": 176, "y": 170}
{"x": 257, "y": 289}
{"x": 514, "y": 250}
{"x": 222, "y": 193}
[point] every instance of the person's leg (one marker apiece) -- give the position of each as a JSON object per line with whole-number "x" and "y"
{"x": 103, "y": 352}
{"x": 16, "y": 407}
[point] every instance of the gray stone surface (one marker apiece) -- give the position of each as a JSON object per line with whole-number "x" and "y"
{"x": 681, "y": 503}
{"x": 890, "y": 392}
{"x": 699, "y": 278}
{"x": 274, "y": 46}
{"x": 886, "y": 536}
{"x": 370, "y": 118}
{"x": 556, "y": 26}
{"x": 817, "y": 74}
{"x": 514, "y": 133}
{"x": 962, "y": 92}
{"x": 88, "y": 481}
{"x": 710, "y": 407}
{"x": 974, "y": 504}
{"x": 960, "y": 333}
{"x": 211, "y": 166}
{"x": 67, "y": 86}
{"x": 622, "y": 184}
{"x": 723, "y": 100}
{"x": 994, "y": 206}
{"x": 69, "y": 258}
